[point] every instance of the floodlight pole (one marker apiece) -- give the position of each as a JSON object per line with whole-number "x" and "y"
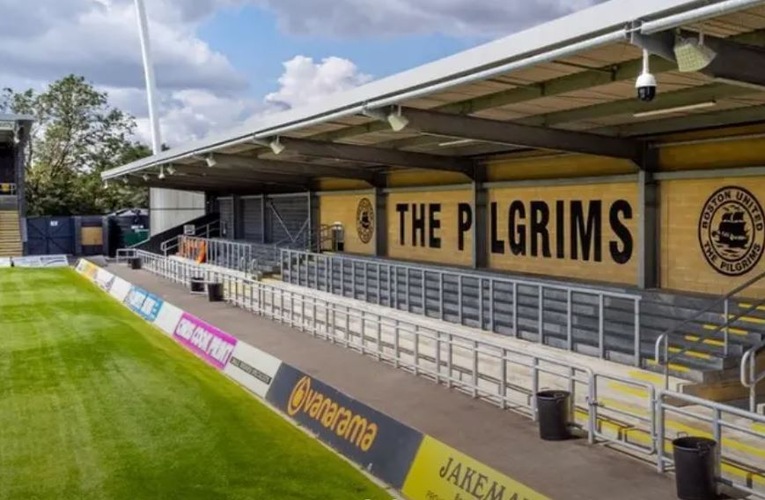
{"x": 151, "y": 87}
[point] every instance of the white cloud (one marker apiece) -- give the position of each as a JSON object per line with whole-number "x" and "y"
{"x": 42, "y": 40}
{"x": 406, "y": 17}
{"x": 305, "y": 81}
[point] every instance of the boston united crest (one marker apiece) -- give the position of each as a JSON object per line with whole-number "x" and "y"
{"x": 732, "y": 231}
{"x": 365, "y": 220}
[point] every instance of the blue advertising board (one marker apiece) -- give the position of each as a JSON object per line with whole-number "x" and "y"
{"x": 145, "y": 304}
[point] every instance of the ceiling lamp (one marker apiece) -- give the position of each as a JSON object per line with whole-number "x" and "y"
{"x": 171, "y": 169}
{"x": 211, "y": 161}
{"x": 145, "y": 177}
{"x": 396, "y": 119}
{"x": 125, "y": 180}
{"x": 692, "y": 54}
{"x": 276, "y": 145}
{"x": 161, "y": 175}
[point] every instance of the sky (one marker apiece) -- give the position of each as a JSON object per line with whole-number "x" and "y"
{"x": 221, "y": 63}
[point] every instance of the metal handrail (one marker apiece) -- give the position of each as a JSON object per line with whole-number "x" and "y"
{"x": 688, "y": 406}
{"x": 663, "y": 339}
{"x": 487, "y": 314}
{"x": 174, "y": 242}
{"x": 418, "y": 345}
{"x": 749, "y": 376}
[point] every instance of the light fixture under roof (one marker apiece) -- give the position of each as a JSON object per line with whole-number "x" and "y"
{"x": 125, "y": 180}
{"x": 692, "y": 55}
{"x": 675, "y": 109}
{"x": 145, "y": 177}
{"x": 161, "y": 175}
{"x": 275, "y": 144}
{"x": 170, "y": 170}
{"x": 211, "y": 161}
{"x": 395, "y": 119}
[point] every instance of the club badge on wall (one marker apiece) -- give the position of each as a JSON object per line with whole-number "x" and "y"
{"x": 365, "y": 220}
{"x": 732, "y": 231}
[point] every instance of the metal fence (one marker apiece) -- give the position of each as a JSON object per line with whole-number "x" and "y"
{"x": 454, "y": 296}
{"x": 750, "y": 377}
{"x": 506, "y": 376}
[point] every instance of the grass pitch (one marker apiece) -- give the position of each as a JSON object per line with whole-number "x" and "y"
{"x": 96, "y": 404}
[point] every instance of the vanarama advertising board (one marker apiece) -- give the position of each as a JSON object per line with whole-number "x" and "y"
{"x": 440, "y": 472}
{"x": 375, "y": 441}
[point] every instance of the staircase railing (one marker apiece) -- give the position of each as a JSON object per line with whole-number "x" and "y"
{"x": 661, "y": 351}
{"x": 749, "y": 376}
{"x": 205, "y": 231}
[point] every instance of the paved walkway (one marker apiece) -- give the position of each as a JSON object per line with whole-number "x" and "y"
{"x": 501, "y": 439}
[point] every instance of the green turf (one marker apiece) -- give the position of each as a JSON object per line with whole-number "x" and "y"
{"x": 96, "y": 404}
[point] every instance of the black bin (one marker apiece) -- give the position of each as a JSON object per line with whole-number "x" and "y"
{"x": 197, "y": 284}
{"x": 135, "y": 262}
{"x": 695, "y": 467}
{"x": 554, "y": 413}
{"x": 215, "y": 292}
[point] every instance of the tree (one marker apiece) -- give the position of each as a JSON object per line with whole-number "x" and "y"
{"x": 76, "y": 136}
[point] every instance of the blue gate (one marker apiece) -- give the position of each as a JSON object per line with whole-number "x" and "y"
{"x": 50, "y": 235}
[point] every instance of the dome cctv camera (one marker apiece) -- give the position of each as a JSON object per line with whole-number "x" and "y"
{"x": 646, "y": 87}
{"x": 646, "y": 82}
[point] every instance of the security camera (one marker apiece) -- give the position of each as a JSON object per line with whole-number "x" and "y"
{"x": 646, "y": 82}
{"x": 646, "y": 87}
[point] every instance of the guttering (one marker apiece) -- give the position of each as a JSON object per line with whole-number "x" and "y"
{"x": 623, "y": 34}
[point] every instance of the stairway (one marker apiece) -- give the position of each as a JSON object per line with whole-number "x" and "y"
{"x": 10, "y": 234}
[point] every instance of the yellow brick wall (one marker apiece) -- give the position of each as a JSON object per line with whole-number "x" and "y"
{"x": 343, "y": 208}
{"x": 683, "y": 263}
{"x": 560, "y": 166}
{"x": 563, "y": 260}
{"x": 448, "y": 234}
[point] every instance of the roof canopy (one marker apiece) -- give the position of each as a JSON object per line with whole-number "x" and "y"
{"x": 568, "y": 85}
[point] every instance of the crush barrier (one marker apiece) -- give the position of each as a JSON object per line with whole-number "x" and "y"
{"x": 497, "y": 373}
{"x": 403, "y": 457}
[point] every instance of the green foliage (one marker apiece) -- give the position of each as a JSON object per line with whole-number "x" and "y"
{"x": 76, "y": 136}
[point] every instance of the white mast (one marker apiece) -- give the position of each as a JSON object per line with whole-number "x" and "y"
{"x": 148, "y": 65}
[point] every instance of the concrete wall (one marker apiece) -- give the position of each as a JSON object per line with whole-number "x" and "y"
{"x": 170, "y": 208}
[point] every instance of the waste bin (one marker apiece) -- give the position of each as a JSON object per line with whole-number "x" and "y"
{"x": 554, "y": 414}
{"x": 197, "y": 284}
{"x": 135, "y": 263}
{"x": 215, "y": 292}
{"x": 695, "y": 467}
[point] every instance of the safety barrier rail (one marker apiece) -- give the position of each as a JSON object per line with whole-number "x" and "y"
{"x": 204, "y": 231}
{"x": 389, "y": 275}
{"x": 749, "y": 375}
{"x": 721, "y": 305}
{"x": 7, "y": 188}
{"x": 479, "y": 367}
{"x": 505, "y": 376}
{"x": 124, "y": 254}
{"x": 236, "y": 255}
{"x": 719, "y": 418}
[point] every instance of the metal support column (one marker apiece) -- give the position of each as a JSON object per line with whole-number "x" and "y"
{"x": 381, "y": 223}
{"x": 237, "y": 219}
{"x": 648, "y": 228}
{"x": 480, "y": 216}
{"x": 263, "y": 219}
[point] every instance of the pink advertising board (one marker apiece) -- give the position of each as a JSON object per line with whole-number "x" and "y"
{"x": 204, "y": 340}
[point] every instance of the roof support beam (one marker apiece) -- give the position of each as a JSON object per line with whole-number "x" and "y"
{"x": 584, "y": 80}
{"x": 689, "y": 96}
{"x": 480, "y": 129}
{"x": 255, "y": 164}
{"x": 379, "y": 156}
{"x": 232, "y": 175}
{"x": 184, "y": 184}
